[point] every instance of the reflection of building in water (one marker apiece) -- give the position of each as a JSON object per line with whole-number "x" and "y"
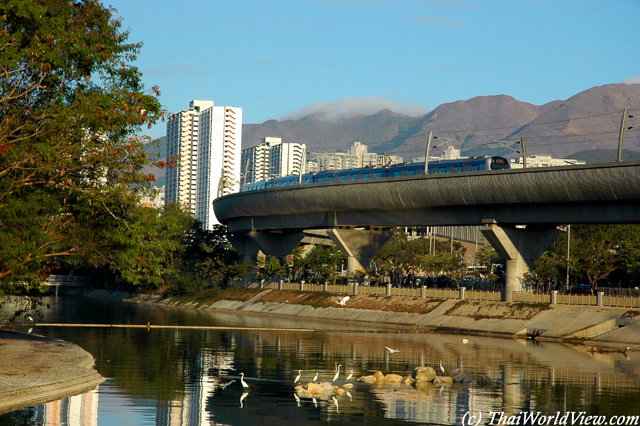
{"x": 78, "y": 410}
{"x": 203, "y": 377}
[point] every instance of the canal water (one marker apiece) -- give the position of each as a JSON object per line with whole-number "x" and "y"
{"x": 192, "y": 376}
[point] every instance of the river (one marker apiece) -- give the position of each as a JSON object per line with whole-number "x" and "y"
{"x": 192, "y": 376}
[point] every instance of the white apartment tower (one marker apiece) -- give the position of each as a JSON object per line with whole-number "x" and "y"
{"x": 204, "y": 143}
{"x": 272, "y": 159}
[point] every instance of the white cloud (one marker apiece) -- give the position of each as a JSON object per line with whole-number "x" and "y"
{"x": 632, "y": 80}
{"x": 350, "y": 107}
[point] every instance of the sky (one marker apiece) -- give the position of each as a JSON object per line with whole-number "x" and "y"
{"x": 284, "y": 59}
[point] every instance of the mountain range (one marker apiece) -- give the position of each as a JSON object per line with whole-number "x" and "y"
{"x": 585, "y": 127}
{"x": 589, "y": 121}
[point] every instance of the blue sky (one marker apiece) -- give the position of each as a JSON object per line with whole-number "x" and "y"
{"x": 279, "y": 59}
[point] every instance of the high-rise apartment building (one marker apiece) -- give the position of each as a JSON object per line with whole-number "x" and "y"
{"x": 271, "y": 159}
{"x": 203, "y": 148}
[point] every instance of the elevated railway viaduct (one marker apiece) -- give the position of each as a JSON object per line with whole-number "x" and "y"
{"x": 519, "y": 210}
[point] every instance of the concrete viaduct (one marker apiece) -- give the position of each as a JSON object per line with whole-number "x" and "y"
{"x": 518, "y": 209}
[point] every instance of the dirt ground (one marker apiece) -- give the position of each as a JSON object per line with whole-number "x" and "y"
{"x": 35, "y": 369}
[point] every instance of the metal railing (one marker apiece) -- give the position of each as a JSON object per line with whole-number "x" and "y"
{"x": 600, "y": 299}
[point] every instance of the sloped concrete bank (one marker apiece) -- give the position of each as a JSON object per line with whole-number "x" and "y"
{"x": 595, "y": 326}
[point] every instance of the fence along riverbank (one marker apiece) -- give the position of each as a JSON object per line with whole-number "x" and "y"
{"x": 554, "y": 297}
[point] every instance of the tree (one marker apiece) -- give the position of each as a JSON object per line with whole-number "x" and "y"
{"x": 70, "y": 103}
{"x": 325, "y": 262}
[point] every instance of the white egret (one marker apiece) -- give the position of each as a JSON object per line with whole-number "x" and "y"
{"x": 298, "y": 376}
{"x": 349, "y": 395}
{"x": 335, "y": 401}
{"x": 392, "y": 351}
{"x": 337, "y": 373}
{"x": 350, "y": 375}
{"x": 315, "y": 378}
{"x": 244, "y": 384}
{"x": 343, "y": 300}
{"x": 29, "y": 318}
{"x": 441, "y": 367}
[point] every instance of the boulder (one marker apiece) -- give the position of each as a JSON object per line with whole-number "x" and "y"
{"x": 486, "y": 381}
{"x": 378, "y": 375}
{"x": 458, "y": 375}
{"x": 443, "y": 381}
{"x": 393, "y": 378}
{"x": 368, "y": 379}
{"x": 423, "y": 374}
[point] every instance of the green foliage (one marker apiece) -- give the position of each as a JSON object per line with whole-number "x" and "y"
{"x": 325, "y": 262}
{"x": 70, "y": 101}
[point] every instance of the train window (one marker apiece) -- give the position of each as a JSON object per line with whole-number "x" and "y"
{"x": 330, "y": 178}
{"x": 270, "y": 185}
{"x": 412, "y": 172}
{"x": 395, "y": 174}
{"x": 379, "y": 175}
{"x": 355, "y": 177}
{"x": 343, "y": 178}
{"x": 320, "y": 180}
{"x": 277, "y": 184}
{"x": 458, "y": 169}
{"x": 420, "y": 172}
{"x": 365, "y": 176}
{"x": 475, "y": 168}
{"x": 442, "y": 170}
{"x": 308, "y": 180}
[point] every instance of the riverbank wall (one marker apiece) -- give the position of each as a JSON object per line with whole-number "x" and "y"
{"x": 592, "y": 325}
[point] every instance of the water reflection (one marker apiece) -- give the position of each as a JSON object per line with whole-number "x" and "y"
{"x": 192, "y": 377}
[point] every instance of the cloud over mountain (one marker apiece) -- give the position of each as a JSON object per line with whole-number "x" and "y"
{"x": 347, "y": 108}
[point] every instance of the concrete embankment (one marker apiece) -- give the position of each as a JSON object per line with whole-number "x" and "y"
{"x": 595, "y": 326}
{"x": 38, "y": 369}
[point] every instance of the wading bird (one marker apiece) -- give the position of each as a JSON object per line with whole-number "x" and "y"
{"x": 298, "y": 376}
{"x": 244, "y": 384}
{"x": 350, "y": 375}
{"x": 315, "y": 378}
{"x": 337, "y": 373}
{"x": 392, "y": 351}
{"x": 441, "y": 367}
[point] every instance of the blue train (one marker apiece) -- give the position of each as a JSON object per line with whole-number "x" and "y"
{"x": 472, "y": 164}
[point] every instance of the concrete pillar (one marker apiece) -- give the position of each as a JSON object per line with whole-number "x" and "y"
{"x": 520, "y": 247}
{"x": 245, "y": 246}
{"x": 388, "y": 289}
{"x": 423, "y": 291}
{"x": 280, "y": 285}
{"x": 325, "y": 287}
{"x": 359, "y": 246}
{"x": 554, "y": 297}
{"x": 278, "y": 244}
{"x": 302, "y": 285}
{"x": 600, "y": 298}
{"x": 355, "y": 288}
{"x": 462, "y": 292}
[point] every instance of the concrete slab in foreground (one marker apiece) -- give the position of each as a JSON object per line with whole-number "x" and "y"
{"x": 38, "y": 369}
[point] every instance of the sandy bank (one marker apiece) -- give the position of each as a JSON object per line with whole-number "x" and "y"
{"x": 38, "y": 369}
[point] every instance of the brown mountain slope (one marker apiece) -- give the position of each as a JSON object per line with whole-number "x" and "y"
{"x": 589, "y": 120}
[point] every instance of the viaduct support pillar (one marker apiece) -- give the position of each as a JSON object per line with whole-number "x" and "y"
{"x": 278, "y": 244}
{"x": 359, "y": 246}
{"x": 245, "y": 246}
{"x": 520, "y": 247}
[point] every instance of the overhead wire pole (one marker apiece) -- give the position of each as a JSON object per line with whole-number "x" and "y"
{"x": 524, "y": 154}
{"x": 426, "y": 154}
{"x": 621, "y": 136}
